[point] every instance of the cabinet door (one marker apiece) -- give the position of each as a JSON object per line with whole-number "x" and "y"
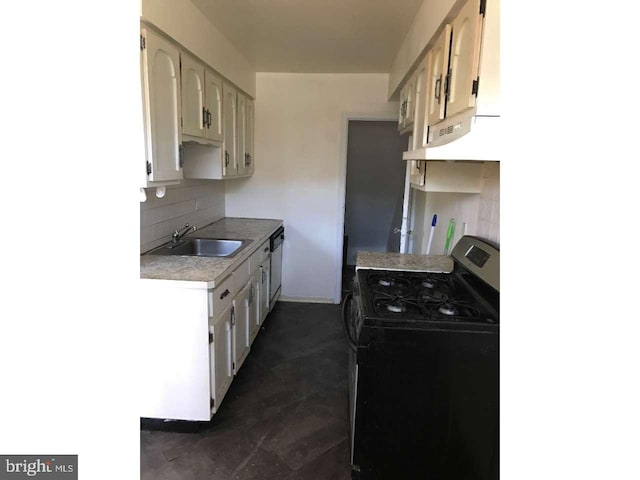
{"x": 264, "y": 291}
{"x": 241, "y": 134}
{"x": 229, "y": 116}
{"x": 220, "y": 354}
{"x": 403, "y": 107}
{"x": 241, "y": 327}
{"x": 439, "y": 68}
{"x": 255, "y": 307}
{"x": 194, "y": 120}
{"x": 420, "y": 128}
{"x": 249, "y": 137}
{"x": 161, "y": 96}
{"x": 213, "y": 102}
{"x": 410, "y": 110}
{"x": 465, "y": 57}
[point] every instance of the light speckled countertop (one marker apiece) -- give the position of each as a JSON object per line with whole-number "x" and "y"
{"x": 204, "y": 272}
{"x": 404, "y": 261}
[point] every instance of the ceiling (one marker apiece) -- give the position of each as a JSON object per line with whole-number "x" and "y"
{"x": 314, "y": 36}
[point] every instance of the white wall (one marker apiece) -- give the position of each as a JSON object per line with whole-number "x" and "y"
{"x": 480, "y": 211}
{"x": 298, "y": 175}
{"x": 197, "y": 202}
{"x": 185, "y": 23}
{"x": 489, "y": 216}
{"x": 462, "y": 207}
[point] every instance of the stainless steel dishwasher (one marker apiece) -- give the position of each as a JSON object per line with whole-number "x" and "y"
{"x": 275, "y": 244}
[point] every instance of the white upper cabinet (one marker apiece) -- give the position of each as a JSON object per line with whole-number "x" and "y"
{"x": 241, "y": 134}
{"x": 194, "y": 113}
{"x": 229, "y": 115}
{"x": 407, "y": 105}
{"x": 438, "y": 67}
{"x": 160, "y": 64}
{"x": 249, "y": 135}
{"x": 213, "y": 102}
{"x": 420, "y": 128}
{"x": 465, "y": 58}
{"x": 196, "y": 124}
{"x": 244, "y": 153}
{"x": 201, "y": 101}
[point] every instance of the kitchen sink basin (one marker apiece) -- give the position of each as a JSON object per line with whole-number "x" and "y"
{"x": 202, "y": 247}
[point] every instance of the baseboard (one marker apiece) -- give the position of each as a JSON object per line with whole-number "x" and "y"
{"x": 305, "y": 300}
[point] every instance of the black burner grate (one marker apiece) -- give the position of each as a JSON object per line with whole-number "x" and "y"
{"x": 421, "y": 295}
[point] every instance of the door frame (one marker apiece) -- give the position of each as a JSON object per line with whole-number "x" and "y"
{"x": 345, "y": 118}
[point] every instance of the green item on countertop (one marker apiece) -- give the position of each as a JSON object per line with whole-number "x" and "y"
{"x": 452, "y": 224}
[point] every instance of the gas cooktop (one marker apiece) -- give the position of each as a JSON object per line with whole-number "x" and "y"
{"x": 421, "y": 296}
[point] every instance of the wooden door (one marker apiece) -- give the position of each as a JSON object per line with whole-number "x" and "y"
{"x": 439, "y": 68}
{"x": 229, "y": 115}
{"x": 194, "y": 120}
{"x": 241, "y": 327}
{"x": 221, "y": 356}
{"x": 161, "y": 94}
{"x": 465, "y": 58}
{"x": 213, "y": 102}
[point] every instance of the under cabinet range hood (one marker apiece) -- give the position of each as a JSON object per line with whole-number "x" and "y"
{"x": 462, "y": 137}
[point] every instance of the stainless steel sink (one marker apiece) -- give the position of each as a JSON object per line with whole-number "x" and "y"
{"x": 202, "y": 247}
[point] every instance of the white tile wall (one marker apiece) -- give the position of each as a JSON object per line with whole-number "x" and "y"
{"x": 197, "y": 202}
{"x": 489, "y": 216}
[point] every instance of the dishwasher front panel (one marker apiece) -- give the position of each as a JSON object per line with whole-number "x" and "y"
{"x": 276, "y": 276}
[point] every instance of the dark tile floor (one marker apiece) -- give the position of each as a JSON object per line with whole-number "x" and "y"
{"x": 285, "y": 415}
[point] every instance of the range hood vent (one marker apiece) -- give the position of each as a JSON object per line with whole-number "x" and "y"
{"x": 463, "y": 137}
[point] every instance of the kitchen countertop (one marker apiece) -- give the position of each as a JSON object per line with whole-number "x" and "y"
{"x": 206, "y": 272}
{"x": 404, "y": 261}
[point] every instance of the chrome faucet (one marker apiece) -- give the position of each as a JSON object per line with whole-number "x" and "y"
{"x": 178, "y": 234}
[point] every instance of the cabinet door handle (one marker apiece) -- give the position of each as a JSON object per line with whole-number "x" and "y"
{"x": 266, "y": 249}
{"x": 204, "y": 117}
{"x": 226, "y": 158}
{"x": 208, "y": 118}
{"x": 224, "y": 294}
{"x": 436, "y": 92}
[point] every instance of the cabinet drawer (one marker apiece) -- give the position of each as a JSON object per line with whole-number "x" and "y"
{"x": 241, "y": 276}
{"x": 221, "y": 296}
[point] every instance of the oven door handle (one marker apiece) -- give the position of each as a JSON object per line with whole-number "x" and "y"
{"x": 345, "y": 322}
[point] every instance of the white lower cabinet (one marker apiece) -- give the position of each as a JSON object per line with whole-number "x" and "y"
{"x": 265, "y": 269}
{"x": 187, "y": 375}
{"x": 255, "y": 306}
{"x": 220, "y": 355}
{"x": 241, "y": 325}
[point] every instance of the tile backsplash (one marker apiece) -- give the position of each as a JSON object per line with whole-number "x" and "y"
{"x": 489, "y": 216}
{"x": 197, "y": 202}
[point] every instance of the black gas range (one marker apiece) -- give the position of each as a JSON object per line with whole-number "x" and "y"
{"x": 424, "y": 369}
